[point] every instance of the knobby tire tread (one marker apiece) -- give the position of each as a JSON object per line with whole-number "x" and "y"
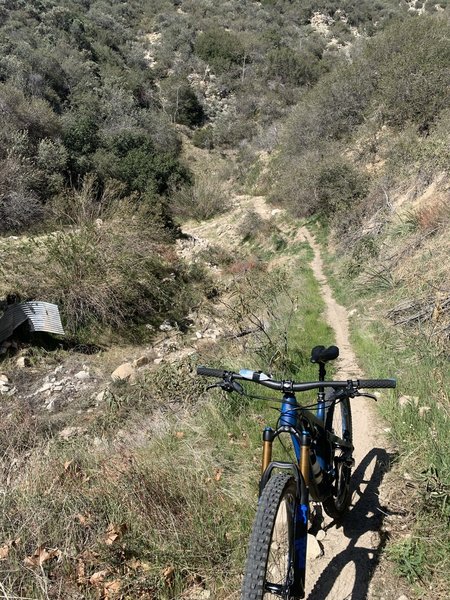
{"x": 329, "y": 504}
{"x": 261, "y": 537}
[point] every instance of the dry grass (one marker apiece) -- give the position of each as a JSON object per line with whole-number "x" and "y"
{"x": 114, "y": 274}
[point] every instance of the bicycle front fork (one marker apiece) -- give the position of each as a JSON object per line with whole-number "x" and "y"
{"x": 305, "y": 447}
{"x": 301, "y": 515}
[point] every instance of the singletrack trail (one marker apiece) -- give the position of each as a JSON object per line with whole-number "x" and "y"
{"x": 350, "y": 550}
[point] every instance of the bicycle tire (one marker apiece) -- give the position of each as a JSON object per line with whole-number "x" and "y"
{"x": 272, "y": 540}
{"x": 338, "y": 420}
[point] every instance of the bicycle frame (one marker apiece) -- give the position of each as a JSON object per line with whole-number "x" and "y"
{"x": 291, "y": 418}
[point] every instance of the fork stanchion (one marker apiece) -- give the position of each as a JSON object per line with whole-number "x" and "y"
{"x": 267, "y": 448}
{"x": 305, "y": 446}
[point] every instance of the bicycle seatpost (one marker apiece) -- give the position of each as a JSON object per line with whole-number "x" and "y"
{"x": 321, "y": 394}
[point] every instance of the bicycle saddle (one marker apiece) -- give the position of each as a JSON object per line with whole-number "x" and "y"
{"x": 320, "y": 354}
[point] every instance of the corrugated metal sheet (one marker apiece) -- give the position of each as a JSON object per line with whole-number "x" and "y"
{"x": 42, "y": 316}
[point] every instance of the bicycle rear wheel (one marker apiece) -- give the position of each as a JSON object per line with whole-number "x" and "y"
{"x": 338, "y": 420}
{"x": 269, "y": 571}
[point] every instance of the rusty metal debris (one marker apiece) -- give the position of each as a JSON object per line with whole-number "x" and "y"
{"x": 41, "y": 316}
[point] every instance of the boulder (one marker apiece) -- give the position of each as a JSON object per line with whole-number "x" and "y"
{"x": 124, "y": 372}
{"x": 313, "y": 549}
{"x": 141, "y": 361}
{"x": 82, "y": 375}
{"x": 22, "y": 362}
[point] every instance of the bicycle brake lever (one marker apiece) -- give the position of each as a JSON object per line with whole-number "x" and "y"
{"x": 367, "y": 395}
{"x": 228, "y": 386}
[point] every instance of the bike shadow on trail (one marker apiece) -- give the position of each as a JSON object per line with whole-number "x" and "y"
{"x": 365, "y": 516}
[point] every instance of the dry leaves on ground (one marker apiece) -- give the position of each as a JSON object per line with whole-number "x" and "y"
{"x": 42, "y": 555}
{"x": 4, "y": 550}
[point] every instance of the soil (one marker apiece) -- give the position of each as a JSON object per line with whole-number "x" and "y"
{"x": 351, "y": 550}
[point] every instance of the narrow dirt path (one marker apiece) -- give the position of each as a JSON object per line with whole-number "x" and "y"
{"x": 350, "y": 551}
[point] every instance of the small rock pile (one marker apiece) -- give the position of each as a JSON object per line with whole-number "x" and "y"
{"x": 54, "y": 387}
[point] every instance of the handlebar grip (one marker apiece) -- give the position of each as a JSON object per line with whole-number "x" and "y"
{"x": 208, "y": 372}
{"x": 377, "y": 383}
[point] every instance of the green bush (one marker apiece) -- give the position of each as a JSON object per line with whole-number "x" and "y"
{"x": 318, "y": 184}
{"x": 221, "y": 49}
{"x": 412, "y": 62}
{"x": 291, "y": 67}
{"x": 204, "y": 137}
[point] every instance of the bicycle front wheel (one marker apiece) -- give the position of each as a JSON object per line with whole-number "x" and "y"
{"x": 269, "y": 571}
{"x": 338, "y": 420}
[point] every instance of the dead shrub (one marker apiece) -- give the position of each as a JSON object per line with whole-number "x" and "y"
{"x": 203, "y": 200}
{"x": 433, "y": 216}
{"x": 240, "y": 267}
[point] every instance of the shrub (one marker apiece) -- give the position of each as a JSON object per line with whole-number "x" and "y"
{"x": 253, "y": 224}
{"x": 221, "y": 49}
{"x": 203, "y": 200}
{"x": 20, "y": 207}
{"x": 131, "y": 157}
{"x": 181, "y": 103}
{"x": 314, "y": 183}
{"x": 291, "y": 67}
{"x": 114, "y": 276}
{"x": 412, "y": 59}
{"x": 204, "y": 138}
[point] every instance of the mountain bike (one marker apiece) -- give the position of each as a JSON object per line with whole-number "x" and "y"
{"x": 321, "y": 471}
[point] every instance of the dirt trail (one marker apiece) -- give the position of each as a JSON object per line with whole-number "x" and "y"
{"x": 350, "y": 551}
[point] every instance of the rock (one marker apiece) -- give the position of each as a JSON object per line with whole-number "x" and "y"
{"x": 407, "y": 400}
{"x": 141, "y": 361}
{"x": 166, "y": 326}
{"x": 50, "y": 405}
{"x": 4, "y": 389}
{"x": 123, "y": 372}
{"x": 4, "y": 347}
{"x": 321, "y": 535}
{"x": 423, "y": 410}
{"x": 100, "y": 396}
{"x": 57, "y": 387}
{"x": 69, "y": 432}
{"x": 22, "y": 362}
{"x": 314, "y": 549}
{"x": 45, "y": 388}
{"x": 403, "y": 597}
{"x": 3, "y": 379}
{"x": 158, "y": 361}
{"x": 198, "y": 335}
{"x": 82, "y": 375}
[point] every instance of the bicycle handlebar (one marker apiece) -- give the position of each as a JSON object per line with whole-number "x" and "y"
{"x": 377, "y": 383}
{"x": 208, "y": 372}
{"x": 290, "y": 386}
